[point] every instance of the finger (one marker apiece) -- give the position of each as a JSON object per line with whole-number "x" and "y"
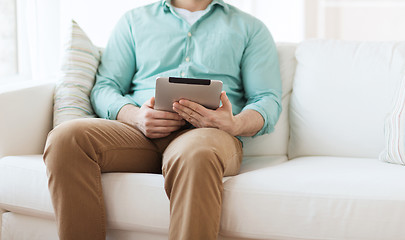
{"x": 188, "y": 118}
{"x": 166, "y": 115}
{"x": 157, "y": 114}
{"x": 150, "y": 103}
{"x": 165, "y": 123}
{"x": 225, "y": 101}
{"x": 195, "y": 119}
{"x": 157, "y": 135}
{"x": 158, "y": 132}
{"x": 196, "y": 123}
{"x": 162, "y": 130}
{"x": 194, "y": 106}
{"x": 186, "y": 113}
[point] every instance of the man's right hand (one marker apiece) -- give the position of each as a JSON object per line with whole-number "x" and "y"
{"x": 152, "y": 123}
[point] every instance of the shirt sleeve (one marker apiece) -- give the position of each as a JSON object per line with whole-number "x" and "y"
{"x": 115, "y": 73}
{"x": 261, "y": 77}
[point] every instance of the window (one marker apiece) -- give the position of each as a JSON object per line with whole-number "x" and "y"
{"x": 31, "y": 30}
{"x": 8, "y": 39}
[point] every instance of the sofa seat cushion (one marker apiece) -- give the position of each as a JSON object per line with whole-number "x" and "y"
{"x": 134, "y": 202}
{"x": 317, "y": 198}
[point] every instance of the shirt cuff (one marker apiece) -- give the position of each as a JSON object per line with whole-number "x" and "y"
{"x": 267, "y": 127}
{"x": 114, "y": 108}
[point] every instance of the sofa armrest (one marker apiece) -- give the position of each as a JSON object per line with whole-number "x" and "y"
{"x": 25, "y": 117}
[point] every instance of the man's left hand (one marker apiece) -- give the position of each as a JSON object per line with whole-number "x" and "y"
{"x": 201, "y": 117}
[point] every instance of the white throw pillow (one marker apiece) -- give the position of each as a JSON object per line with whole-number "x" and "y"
{"x": 80, "y": 61}
{"x": 342, "y": 93}
{"x": 394, "y": 151}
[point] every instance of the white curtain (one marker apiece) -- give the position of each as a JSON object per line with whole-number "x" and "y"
{"x": 8, "y": 46}
{"x": 39, "y": 41}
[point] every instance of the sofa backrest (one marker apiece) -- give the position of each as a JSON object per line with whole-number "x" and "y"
{"x": 276, "y": 143}
{"x": 342, "y": 92}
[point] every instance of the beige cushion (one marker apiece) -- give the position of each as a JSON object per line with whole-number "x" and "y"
{"x": 394, "y": 151}
{"x": 79, "y": 66}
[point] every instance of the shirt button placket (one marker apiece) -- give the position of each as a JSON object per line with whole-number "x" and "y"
{"x": 187, "y": 59}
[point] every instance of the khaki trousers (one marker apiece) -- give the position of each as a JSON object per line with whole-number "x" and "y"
{"x": 193, "y": 162}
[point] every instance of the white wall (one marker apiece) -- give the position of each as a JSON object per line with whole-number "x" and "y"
{"x": 284, "y": 18}
{"x": 361, "y": 20}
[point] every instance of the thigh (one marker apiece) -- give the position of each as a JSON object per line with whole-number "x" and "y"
{"x": 227, "y": 148}
{"x": 113, "y": 145}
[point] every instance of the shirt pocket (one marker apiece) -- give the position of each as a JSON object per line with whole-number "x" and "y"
{"x": 222, "y": 52}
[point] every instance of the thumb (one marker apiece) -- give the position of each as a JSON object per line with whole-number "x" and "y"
{"x": 151, "y": 102}
{"x": 225, "y": 101}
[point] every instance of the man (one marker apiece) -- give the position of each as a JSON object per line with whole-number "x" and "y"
{"x": 184, "y": 38}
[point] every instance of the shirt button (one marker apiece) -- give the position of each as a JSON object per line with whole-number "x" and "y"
{"x": 187, "y": 59}
{"x": 189, "y": 34}
{"x": 182, "y": 74}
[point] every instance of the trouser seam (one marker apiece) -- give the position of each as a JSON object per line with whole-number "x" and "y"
{"x": 101, "y": 203}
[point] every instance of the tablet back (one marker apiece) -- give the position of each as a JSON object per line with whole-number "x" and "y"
{"x": 171, "y": 89}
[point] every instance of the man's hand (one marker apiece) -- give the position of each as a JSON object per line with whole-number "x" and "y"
{"x": 152, "y": 123}
{"x": 200, "y": 117}
{"x": 246, "y": 123}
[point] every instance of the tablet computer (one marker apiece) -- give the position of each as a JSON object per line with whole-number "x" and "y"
{"x": 171, "y": 89}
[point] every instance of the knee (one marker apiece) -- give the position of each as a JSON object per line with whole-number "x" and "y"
{"x": 195, "y": 166}
{"x": 62, "y": 141}
{"x": 66, "y": 133}
{"x": 201, "y": 157}
{"x": 195, "y": 160}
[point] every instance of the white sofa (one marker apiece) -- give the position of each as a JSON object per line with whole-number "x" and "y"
{"x": 316, "y": 177}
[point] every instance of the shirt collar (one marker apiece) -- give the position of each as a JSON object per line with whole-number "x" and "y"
{"x": 166, "y": 5}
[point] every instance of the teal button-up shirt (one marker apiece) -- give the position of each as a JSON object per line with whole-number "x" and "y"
{"x": 224, "y": 44}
